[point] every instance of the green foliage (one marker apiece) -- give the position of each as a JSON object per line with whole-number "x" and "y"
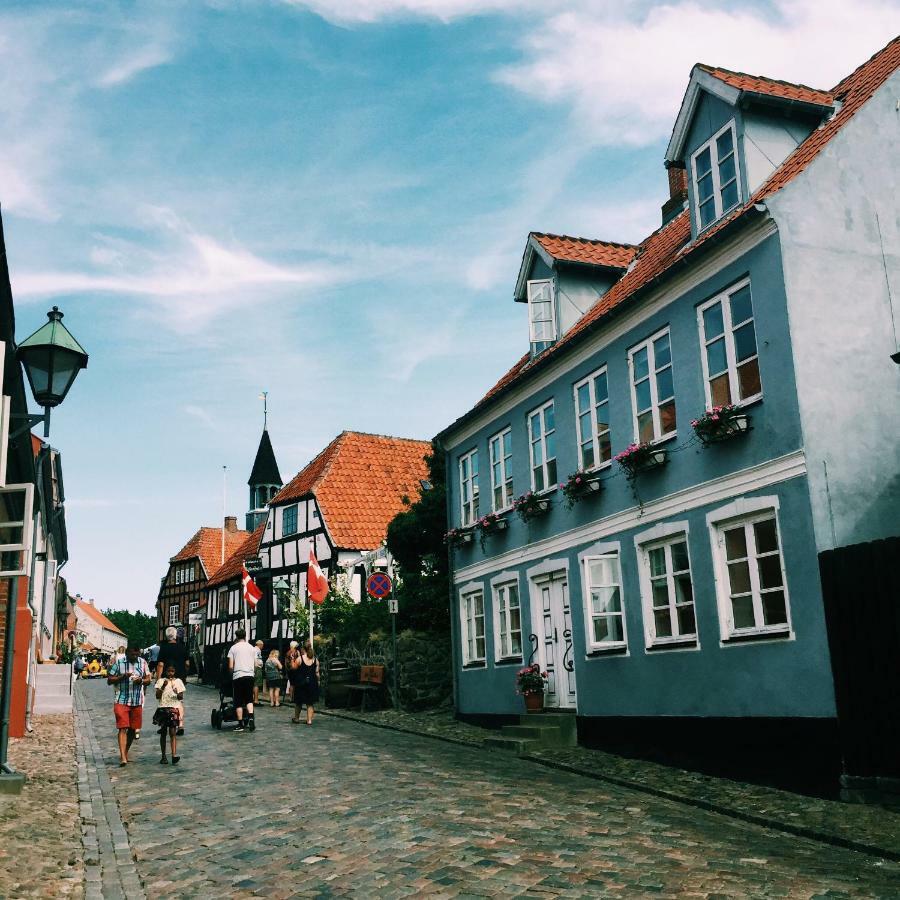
{"x": 138, "y": 626}
{"x": 340, "y": 621}
{"x": 415, "y": 538}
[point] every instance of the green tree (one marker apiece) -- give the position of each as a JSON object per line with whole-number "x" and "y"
{"x": 138, "y": 626}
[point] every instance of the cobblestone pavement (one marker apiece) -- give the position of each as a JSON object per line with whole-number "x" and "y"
{"x": 872, "y": 828}
{"x": 341, "y": 809}
{"x": 40, "y": 837}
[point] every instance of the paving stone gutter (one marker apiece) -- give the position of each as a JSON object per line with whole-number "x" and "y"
{"x": 868, "y": 829}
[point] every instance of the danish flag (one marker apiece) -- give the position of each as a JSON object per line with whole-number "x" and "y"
{"x": 316, "y": 582}
{"x": 252, "y": 593}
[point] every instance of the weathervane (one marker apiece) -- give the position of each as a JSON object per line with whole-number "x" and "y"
{"x": 264, "y": 396}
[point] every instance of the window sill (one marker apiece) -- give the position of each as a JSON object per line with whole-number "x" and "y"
{"x": 509, "y": 661}
{"x": 611, "y": 650}
{"x": 656, "y": 442}
{"x": 476, "y": 664}
{"x": 677, "y": 644}
{"x": 767, "y": 634}
{"x": 750, "y": 401}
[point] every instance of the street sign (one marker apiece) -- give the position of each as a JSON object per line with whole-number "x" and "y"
{"x": 254, "y": 564}
{"x": 393, "y": 605}
{"x": 378, "y": 585}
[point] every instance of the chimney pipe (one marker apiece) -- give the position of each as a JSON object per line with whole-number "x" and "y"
{"x": 677, "y": 191}
{"x": 231, "y": 524}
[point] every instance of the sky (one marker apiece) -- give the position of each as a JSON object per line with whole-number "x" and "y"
{"x": 327, "y": 200}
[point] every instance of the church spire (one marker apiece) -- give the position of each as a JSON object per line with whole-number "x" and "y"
{"x": 265, "y": 479}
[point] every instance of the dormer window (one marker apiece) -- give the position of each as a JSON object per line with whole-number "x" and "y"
{"x": 715, "y": 173}
{"x": 541, "y": 314}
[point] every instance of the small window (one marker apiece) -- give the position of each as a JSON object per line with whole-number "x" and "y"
{"x": 193, "y": 605}
{"x": 541, "y": 314}
{"x": 716, "y": 180}
{"x": 652, "y": 388}
{"x": 473, "y": 627}
{"x": 212, "y": 606}
{"x": 603, "y": 585}
{"x": 592, "y": 415}
{"x": 752, "y": 590}
{"x": 468, "y": 488}
{"x": 173, "y": 614}
{"x": 289, "y": 522}
{"x": 667, "y": 592}
{"x": 500, "y": 447}
{"x": 728, "y": 335}
{"x": 542, "y": 447}
{"x": 508, "y": 621}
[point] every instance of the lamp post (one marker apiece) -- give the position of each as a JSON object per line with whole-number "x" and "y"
{"x": 52, "y": 359}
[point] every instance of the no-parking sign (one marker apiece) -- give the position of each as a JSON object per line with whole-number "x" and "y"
{"x": 378, "y": 585}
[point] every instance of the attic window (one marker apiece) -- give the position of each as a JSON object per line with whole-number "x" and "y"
{"x": 716, "y": 182}
{"x": 541, "y": 314}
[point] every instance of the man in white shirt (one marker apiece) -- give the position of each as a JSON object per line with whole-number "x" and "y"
{"x": 242, "y": 665}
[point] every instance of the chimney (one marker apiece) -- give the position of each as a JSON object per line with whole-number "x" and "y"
{"x": 677, "y": 191}
{"x": 91, "y": 601}
{"x": 231, "y": 524}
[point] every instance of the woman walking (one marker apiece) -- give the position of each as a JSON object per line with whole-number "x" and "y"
{"x": 306, "y": 683}
{"x": 292, "y": 654}
{"x": 273, "y": 669}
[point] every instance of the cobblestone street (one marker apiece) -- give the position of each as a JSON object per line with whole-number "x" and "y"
{"x": 344, "y": 809}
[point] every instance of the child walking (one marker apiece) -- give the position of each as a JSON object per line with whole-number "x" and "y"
{"x": 169, "y": 693}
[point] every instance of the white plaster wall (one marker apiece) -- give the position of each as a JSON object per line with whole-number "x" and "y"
{"x": 768, "y": 142}
{"x": 842, "y": 282}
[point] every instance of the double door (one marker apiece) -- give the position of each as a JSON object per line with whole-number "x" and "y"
{"x": 554, "y": 633}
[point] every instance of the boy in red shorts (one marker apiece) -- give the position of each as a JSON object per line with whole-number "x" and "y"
{"x": 129, "y": 674}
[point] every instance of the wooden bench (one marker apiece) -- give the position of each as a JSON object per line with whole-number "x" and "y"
{"x": 371, "y": 682}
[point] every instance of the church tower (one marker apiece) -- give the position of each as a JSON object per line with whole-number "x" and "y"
{"x": 265, "y": 479}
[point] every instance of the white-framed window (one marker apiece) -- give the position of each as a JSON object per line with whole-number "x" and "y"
{"x": 667, "y": 591}
{"x": 728, "y": 336}
{"x": 173, "y": 613}
{"x": 717, "y": 185}
{"x": 232, "y": 596}
{"x": 507, "y": 621}
{"x": 500, "y": 447}
{"x": 603, "y": 590}
{"x": 212, "y": 606}
{"x": 752, "y": 589}
{"x": 652, "y": 388}
{"x": 542, "y": 447}
{"x": 541, "y": 314}
{"x": 193, "y": 604}
{"x": 289, "y": 520}
{"x": 473, "y": 626}
{"x": 468, "y": 488}
{"x": 592, "y": 420}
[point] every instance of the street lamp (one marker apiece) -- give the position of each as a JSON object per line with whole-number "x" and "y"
{"x": 52, "y": 358}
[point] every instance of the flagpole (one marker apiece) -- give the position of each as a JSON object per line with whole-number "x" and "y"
{"x": 224, "y": 506}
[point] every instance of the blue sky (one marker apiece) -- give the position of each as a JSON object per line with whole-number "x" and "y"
{"x": 327, "y": 200}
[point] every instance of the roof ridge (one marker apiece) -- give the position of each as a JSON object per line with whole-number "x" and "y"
{"x": 713, "y": 69}
{"x": 571, "y": 237}
{"x": 387, "y": 437}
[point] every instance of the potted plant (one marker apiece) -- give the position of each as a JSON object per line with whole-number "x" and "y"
{"x": 640, "y": 458}
{"x": 580, "y": 484}
{"x": 530, "y": 683}
{"x": 530, "y": 506}
{"x": 455, "y": 537}
{"x": 490, "y": 523}
{"x": 720, "y": 423}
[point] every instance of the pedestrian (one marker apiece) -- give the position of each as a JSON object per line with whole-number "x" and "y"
{"x": 273, "y": 669}
{"x": 78, "y": 665}
{"x": 258, "y": 671}
{"x": 242, "y": 665}
{"x": 172, "y": 651}
{"x": 170, "y": 694}
{"x": 129, "y": 675}
{"x": 306, "y": 683}
{"x": 153, "y": 655}
{"x": 290, "y": 656}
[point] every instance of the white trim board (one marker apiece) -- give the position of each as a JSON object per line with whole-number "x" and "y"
{"x": 783, "y": 468}
{"x": 675, "y": 288}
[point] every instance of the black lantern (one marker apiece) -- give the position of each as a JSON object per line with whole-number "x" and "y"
{"x": 51, "y": 358}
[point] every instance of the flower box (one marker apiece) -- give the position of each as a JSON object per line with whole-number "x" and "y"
{"x": 530, "y": 506}
{"x": 456, "y": 537}
{"x": 491, "y": 523}
{"x": 641, "y": 458}
{"x": 580, "y": 485}
{"x": 721, "y": 423}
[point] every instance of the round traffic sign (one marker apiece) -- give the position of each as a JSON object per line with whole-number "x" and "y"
{"x": 378, "y": 585}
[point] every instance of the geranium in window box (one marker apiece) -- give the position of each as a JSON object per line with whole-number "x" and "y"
{"x": 491, "y": 523}
{"x": 720, "y": 423}
{"x": 580, "y": 485}
{"x": 640, "y": 458}
{"x": 456, "y": 537}
{"x": 530, "y": 506}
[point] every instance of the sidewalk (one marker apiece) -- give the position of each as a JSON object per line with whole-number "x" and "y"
{"x": 869, "y": 829}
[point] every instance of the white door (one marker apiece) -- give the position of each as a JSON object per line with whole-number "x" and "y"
{"x": 555, "y": 639}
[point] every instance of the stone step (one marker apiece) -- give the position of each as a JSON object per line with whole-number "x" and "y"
{"x": 53, "y": 674}
{"x": 43, "y": 707}
{"x": 545, "y": 735}
{"x": 563, "y": 720}
{"x": 512, "y": 744}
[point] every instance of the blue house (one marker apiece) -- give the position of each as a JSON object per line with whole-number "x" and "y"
{"x": 676, "y": 601}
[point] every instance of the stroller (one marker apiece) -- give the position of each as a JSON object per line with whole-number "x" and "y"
{"x": 225, "y": 712}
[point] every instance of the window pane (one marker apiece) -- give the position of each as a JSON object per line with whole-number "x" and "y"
{"x": 608, "y": 628}
{"x": 735, "y": 543}
{"x": 667, "y": 418}
{"x": 662, "y": 354}
{"x": 741, "y": 307}
{"x": 538, "y": 472}
{"x": 679, "y": 556}
{"x": 660, "y": 593}
{"x": 584, "y": 427}
{"x": 606, "y": 599}
{"x": 686, "y": 623}
{"x": 537, "y": 453}
{"x": 601, "y": 392}
{"x": 729, "y": 196}
{"x": 516, "y": 643}
{"x": 583, "y": 396}
{"x": 587, "y": 455}
{"x": 664, "y": 386}
{"x": 743, "y": 612}
{"x": 639, "y": 361}
{"x": 703, "y": 162}
{"x": 642, "y": 395}
{"x": 716, "y": 360}
{"x": 549, "y": 424}
{"x": 507, "y": 444}
{"x": 601, "y": 571}
{"x": 713, "y": 325}
{"x": 645, "y": 427}
{"x": 739, "y": 577}
{"x": 766, "y": 536}
{"x": 605, "y": 448}
{"x": 535, "y": 426}
{"x": 657, "y": 562}
{"x": 720, "y": 390}
{"x": 707, "y": 212}
{"x": 551, "y": 472}
{"x": 726, "y": 171}
{"x": 744, "y": 342}
{"x": 684, "y": 590}
{"x": 769, "y": 571}
{"x": 748, "y": 379}
{"x": 550, "y": 442}
{"x": 662, "y": 623}
{"x": 498, "y": 497}
{"x": 774, "y": 612}
{"x": 724, "y": 143}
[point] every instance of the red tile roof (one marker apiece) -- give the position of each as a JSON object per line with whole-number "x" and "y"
{"x": 207, "y": 545}
{"x": 234, "y": 564}
{"x": 359, "y": 481}
{"x": 583, "y": 250}
{"x": 672, "y": 243}
{"x": 759, "y": 84}
{"x": 92, "y": 612}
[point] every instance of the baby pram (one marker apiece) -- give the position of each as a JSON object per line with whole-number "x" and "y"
{"x": 225, "y": 712}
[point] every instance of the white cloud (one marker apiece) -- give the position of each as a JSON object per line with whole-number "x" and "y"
{"x": 133, "y": 64}
{"x": 348, "y": 12}
{"x": 202, "y": 415}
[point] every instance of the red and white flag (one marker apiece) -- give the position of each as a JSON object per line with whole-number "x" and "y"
{"x": 252, "y": 593}
{"x": 316, "y": 582}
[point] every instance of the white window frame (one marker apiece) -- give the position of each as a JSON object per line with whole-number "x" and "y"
{"x": 506, "y": 475}
{"x": 468, "y": 508}
{"x": 212, "y": 605}
{"x": 717, "y": 188}
{"x": 531, "y": 288}
{"x": 585, "y": 559}
{"x": 192, "y": 605}
{"x": 284, "y": 531}
{"x": 174, "y": 609}
{"x": 466, "y": 622}
{"x": 678, "y": 534}
{"x": 500, "y": 588}
{"x": 549, "y": 483}
{"x": 654, "y": 396}
{"x": 724, "y": 298}
{"x": 595, "y": 434}
{"x": 746, "y": 513}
